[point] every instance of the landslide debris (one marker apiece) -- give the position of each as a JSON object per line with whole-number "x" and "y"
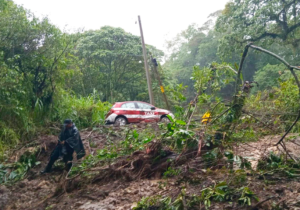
{"x": 149, "y": 172}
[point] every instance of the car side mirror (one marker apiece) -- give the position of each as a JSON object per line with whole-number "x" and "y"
{"x": 152, "y": 108}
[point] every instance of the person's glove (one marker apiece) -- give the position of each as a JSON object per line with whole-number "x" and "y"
{"x": 60, "y": 142}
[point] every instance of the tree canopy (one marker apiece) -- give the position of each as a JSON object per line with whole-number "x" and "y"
{"x": 259, "y": 21}
{"x": 111, "y": 61}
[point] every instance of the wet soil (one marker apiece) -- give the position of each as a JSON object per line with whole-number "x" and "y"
{"x": 51, "y": 191}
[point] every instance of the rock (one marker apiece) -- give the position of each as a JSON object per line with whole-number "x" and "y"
{"x": 43, "y": 184}
{"x": 22, "y": 185}
{"x": 127, "y": 191}
{"x": 78, "y": 204}
{"x": 5, "y": 195}
{"x": 3, "y": 189}
{"x": 133, "y": 205}
{"x": 114, "y": 202}
{"x": 153, "y": 184}
{"x": 279, "y": 190}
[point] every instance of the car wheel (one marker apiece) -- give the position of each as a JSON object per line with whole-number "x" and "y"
{"x": 165, "y": 119}
{"x": 120, "y": 121}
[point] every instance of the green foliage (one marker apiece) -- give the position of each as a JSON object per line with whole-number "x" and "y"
{"x": 212, "y": 157}
{"x": 178, "y": 136}
{"x": 48, "y": 75}
{"x": 17, "y": 171}
{"x": 287, "y": 96}
{"x": 278, "y": 165}
{"x": 274, "y": 24}
{"x": 155, "y": 202}
{"x": 103, "y": 155}
{"x": 210, "y": 80}
{"x": 246, "y": 196}
{"x": 282, "y": 101}
{"x": 170, "y": 172}
{"x": 221, "y": 192}
{"x": 239, "y": 160}
{"x": 177, "y": 97}
{"x": 166, "y": 203}
{"x": 109, "y": 60}
{"x": 268, "y": 76}
{"x": 258, "y": 21}
{"x": 31, "y": 56}
{"x": 245, "y": 135}
{"x": 133, "y": 141}
{"x": 84, "y": 111}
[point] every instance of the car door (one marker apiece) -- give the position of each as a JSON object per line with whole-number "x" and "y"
{"x": 147, "y": 114}
{"x": 130, "y": 111}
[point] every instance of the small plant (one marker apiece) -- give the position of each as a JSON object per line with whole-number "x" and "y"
{"x": 246, "y": 196}
{"x": 19, "y": 169}
{"x": 239, "y": 160}
{"x": 133, "y": 141}
{"x": 276, "y": 164}
{"x": 178, "y": 136}
{"x": 221, "y": 192}
{"x": 154, "y": 202}
{"x": 159, "y": 203}
{"x": 162, "y": 185}
{"x": 171, "y": 172}
{"x": 92, "y": 160}
{"x": 212, "y": 157}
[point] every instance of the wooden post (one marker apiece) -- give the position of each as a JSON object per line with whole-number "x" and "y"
{"x": 146, "y": 64}
{"x": 160, "y": 82}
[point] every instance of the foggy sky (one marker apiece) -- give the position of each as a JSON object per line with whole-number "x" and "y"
{"x": 161, "y": 19}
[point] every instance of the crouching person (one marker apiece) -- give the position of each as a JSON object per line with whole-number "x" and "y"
{"x": 68, "y": 142}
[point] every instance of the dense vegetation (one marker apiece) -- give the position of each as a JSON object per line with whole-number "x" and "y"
{"x": 48, "y": 75}
{"x": 270, "y": 24}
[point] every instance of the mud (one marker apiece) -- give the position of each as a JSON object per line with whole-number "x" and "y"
{"x": 51, "y": 191}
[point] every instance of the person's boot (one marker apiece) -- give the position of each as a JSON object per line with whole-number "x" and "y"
{"x": 44, "y": 171}
{"x": 47, "y": 169}
{"x": 68, "y": 165}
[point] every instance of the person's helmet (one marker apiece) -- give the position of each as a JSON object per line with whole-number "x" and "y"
{"x": 67, "y": 121}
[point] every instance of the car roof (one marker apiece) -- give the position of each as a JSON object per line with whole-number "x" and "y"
{"x": 118, "y": 104}
{"x": 131, "y": 101}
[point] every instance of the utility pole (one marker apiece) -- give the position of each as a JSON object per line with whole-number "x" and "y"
{"x": 159, "y": 81}
{"x": 146, "y": 65}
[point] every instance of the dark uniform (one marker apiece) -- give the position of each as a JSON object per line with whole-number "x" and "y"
{"x": 72, "y": 142}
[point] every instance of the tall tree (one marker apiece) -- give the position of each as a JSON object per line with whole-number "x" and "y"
{"x": 32, "y": 48}
{"x": 262, "y": 21}
{"x": 111, "y": 62}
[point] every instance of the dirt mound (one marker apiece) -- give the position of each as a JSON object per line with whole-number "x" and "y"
{"x": 53, "y": 191}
